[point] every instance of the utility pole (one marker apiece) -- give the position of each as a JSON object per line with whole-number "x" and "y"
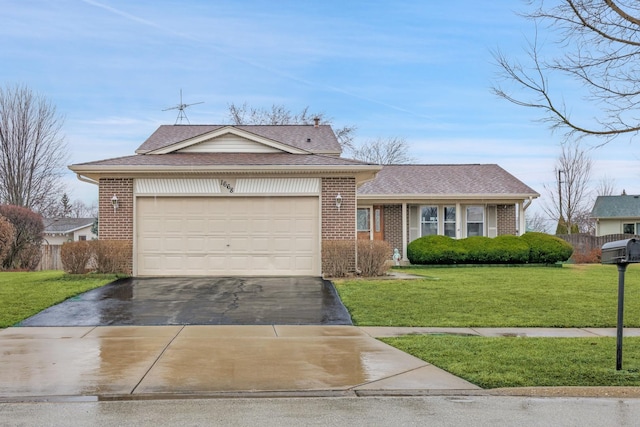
{"x": 560, "y": 194}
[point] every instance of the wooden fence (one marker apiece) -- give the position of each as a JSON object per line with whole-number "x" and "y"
{"x": 585, "y": 243}
{"x": 50, "y": 259}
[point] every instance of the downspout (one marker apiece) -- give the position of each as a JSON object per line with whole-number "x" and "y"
{"x": 523, "y": 208}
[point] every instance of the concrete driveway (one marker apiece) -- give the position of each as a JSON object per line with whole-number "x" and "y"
{"x": 201, "y": 301}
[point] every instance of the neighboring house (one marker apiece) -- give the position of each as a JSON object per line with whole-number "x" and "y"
{"x": 60, "y": 230}
{"x": 617, "y": 215}
{"x": 260, "y": 200}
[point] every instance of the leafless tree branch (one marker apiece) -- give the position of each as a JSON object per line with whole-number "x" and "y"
{"x": 600, "y": 48}
{"x": 32, "y": 150}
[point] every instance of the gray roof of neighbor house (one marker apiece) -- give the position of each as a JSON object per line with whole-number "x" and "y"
{"x": 65, "y": 225}
{"x": 624, "y": 206}
{"x": 319, "y": 139}
{"x": 451, "y": 180}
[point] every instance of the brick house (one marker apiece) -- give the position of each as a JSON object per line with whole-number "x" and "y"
{"x": 260, "y": 200}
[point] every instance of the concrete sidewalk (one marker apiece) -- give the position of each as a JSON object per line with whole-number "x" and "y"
{"x": 145, "y": 361}
{"x": 137, "y": 362}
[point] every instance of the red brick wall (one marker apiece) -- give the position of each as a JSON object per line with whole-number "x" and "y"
{"x": 393, "y": 226}
{"x": 118, "y": 224}
{"x": 339, "y": 224}
{"x": 506, "y": 219}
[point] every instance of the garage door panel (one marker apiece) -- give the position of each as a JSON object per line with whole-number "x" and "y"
{"x": 227, "y": 235}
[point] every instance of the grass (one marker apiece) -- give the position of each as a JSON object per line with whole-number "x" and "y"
{"x": 571, "y": 296}
{"x": 528, "y": 362}
{"x": 23, "y": 294}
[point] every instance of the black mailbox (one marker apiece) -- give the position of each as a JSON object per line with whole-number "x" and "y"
{"x": 621, "y": 252}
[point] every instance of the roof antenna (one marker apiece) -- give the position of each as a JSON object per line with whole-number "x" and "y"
{"x": 181, "y": 107}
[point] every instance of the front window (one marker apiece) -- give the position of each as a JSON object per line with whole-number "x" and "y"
{"x": 363, "y": 219}
{"x": 628, "y": 228}
{"x": 429, "y": 220}
{"x": 450, "y": 221}
{"x": 475, "y": 221}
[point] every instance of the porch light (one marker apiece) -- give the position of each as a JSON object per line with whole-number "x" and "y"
{"x": 338, "y": 201}
{"x": 114, "y": 202}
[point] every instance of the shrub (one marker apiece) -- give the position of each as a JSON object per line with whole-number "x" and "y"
{"x": 373, "y": 257}
{"x": 547, "y": 249}
{"x": 337, "y": 256}
{"x": 24, "y": 252}
{"x": 111, "y": 256}
{"x": 75, "y": 256}
{"x": 7, "y": 234}
{"x": 587, "y": 257}
{"x": 506, "y": 249}
{"x": 436, "y": 250}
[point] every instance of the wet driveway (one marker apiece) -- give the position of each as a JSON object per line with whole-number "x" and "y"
{"x": 201, "y": 301}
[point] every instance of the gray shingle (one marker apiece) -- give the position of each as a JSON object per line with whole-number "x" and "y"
{"x": 624, "y": 206}
{"x": 305, "y": 137}
{"x": 65, "y": 225}
{"x": 445, "y": 179}
{"x": 225, "y": 159}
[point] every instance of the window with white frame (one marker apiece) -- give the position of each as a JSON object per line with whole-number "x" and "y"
{"x": 630, "y": 228}
{"x": 450, "y": 221}
{"x": 429, "y": 220}
{"x": 363, "y": 219}
{"x": 475, "y": 221}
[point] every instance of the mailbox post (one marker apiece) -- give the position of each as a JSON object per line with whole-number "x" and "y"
{"x": 621, "y": 253}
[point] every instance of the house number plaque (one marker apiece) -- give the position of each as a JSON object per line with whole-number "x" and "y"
{"x": 227, "y": 185}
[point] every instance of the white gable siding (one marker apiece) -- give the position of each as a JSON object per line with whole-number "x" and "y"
{"x": 278, "y": 185}
{"x": 229, "y": 143}
{"x": 176, "y": 186}
{"x": 211, "y": 186}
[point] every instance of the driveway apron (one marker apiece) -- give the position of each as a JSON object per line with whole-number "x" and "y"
{"x": 201, "y": 301}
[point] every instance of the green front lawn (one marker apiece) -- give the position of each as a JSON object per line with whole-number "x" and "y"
{"x": 528, "y": 362}
{"x": 571, "y": 296}
{"x": 23, "y": 294}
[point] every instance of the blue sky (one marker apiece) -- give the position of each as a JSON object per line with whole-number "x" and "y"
{"x": 421, "y": 70}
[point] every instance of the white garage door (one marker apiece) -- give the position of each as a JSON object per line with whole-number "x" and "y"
{"x": 227, "y": 236}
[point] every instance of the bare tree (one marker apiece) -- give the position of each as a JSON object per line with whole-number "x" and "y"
{"x": 383, "y": 151}
{"x": 606, "y": 186}
{"x": 32, "y": 150}
{"x": 571, "y": 196}
{"x": 79, "y": 209}
{"x": 537, "y": 222}
{"x": 599, "y": 42}
{"x": 280, "y": 115}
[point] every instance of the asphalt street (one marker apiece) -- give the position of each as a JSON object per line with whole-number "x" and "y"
{"x": 348, "y": 411}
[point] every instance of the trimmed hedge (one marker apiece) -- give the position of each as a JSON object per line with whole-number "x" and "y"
{"x": 506, "y": 249}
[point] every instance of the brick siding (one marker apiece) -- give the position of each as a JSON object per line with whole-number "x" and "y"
{"x": 507, "y": 219}
{"x": 393, "y": 226}
{"x": 116, "y": 224}
{"x": 339, "y": 224}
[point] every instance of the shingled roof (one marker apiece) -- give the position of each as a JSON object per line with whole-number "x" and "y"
{"x": 65, "y": 225}
{"x": 624, "y": 206}
{"x": 439, "y": 180}
{"x": 313, "y": 139}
